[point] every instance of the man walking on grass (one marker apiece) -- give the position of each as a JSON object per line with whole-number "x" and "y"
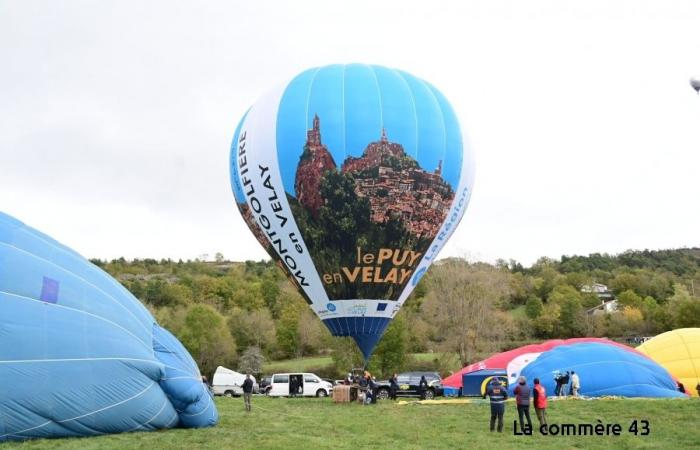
{"x": 247, "y": 391}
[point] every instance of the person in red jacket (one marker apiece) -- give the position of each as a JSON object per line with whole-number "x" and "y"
{"x": 540, "y": 400}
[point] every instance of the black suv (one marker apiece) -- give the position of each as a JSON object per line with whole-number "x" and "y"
{"x": 265, "y": 385}
{"x": 408, "y": 385}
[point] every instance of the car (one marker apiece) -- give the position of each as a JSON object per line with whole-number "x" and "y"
{"x": 408, "y": 385}
{"x": 307, "y": 385}
{"x": 228, "y": 382}
{"x": 265, "y": 385}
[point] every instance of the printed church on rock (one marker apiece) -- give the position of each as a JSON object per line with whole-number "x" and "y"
{"x": 391, "y": 180}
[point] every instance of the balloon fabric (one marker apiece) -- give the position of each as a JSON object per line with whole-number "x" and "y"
{"x": 80, "y": 355}
{"x": 679, "y": 352}
{"x": 603, "y": 370}
{"x": 352, "y": 177}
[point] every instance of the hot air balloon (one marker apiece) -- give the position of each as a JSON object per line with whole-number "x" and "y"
{"x": 352, "y": 177}
{"x": 603, "y": 370}
{"x": 679, "y": 352}
{"x": 695, "y": 84}
{"x": 80, "y": 355}
{"x": 509, "y": 364}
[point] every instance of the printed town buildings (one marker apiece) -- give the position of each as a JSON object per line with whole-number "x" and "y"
{"x": 392, "y": 181}
{"x": 314, "y": 161}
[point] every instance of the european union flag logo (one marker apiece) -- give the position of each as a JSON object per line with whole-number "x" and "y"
{"x": 381, "y": 306}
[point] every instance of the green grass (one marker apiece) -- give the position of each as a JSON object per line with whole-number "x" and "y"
{"x": 281, "y": 423}
{"x": 518, "y": 312}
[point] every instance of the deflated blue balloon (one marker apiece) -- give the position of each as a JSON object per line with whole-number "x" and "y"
{"x": 603, "y": 370}
{"x": 79, "y": 354}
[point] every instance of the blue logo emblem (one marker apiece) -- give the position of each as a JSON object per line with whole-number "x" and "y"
{"x": 330, "y": 307}
{"x": 381, "y": 307}
{"x": 418, "y": 275}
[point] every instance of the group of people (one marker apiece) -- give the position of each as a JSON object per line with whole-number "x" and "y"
{"x": 498, "y": 394}
{"x": 368, "y": 385}
{"x": 568, "y": 383}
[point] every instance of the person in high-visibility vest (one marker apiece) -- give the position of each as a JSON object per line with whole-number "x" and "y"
{"x": 540, "y": 399}
{"x": 498, "y": 395}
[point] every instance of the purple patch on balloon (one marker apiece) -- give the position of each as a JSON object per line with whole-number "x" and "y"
{"x": 49, "y": 290}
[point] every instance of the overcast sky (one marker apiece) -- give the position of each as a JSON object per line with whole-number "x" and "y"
{"x": 116, "y": 117}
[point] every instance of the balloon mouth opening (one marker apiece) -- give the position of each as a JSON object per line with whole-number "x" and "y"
{"x": 365, "y": 331}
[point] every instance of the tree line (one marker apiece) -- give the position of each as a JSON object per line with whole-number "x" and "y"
{"x": 238, "y": 314}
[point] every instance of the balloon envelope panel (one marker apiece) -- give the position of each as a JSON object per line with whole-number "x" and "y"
{"x": 79, "y": 354}
{"x": 603, "y": 370}
{"x": 352, "y": 177}
{"x": 679, "y": 352}
{"x": 504, "y": 359}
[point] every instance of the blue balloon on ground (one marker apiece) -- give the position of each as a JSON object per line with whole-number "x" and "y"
{"x": 80, "y": 355}
{"x": 603, "y": 370}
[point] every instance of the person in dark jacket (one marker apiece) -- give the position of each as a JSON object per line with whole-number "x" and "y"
{"x": 564, "y": 383}
{"x": 393, "y": 386}
{"x": 293, "y": 388}
{"x": 522, "y": 400}
{"x": 369, "y": 388}
{"x": 247, "y": 391}
{"x": 539, "y": 398}
{"x": 498, "y": 395}
{"x": 697, "y": 388}
{"x": 422, "y": 387}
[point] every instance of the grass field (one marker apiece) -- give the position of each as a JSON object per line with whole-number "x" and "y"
{"x": 281, "y": 423}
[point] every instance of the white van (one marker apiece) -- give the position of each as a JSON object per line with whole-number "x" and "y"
{"x": 305, "y": 385}
{"x": 228, "y": 382}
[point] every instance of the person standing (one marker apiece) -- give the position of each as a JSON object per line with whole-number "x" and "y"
{"x": 558, "y": 377}
{"x": 564, "y": 384}
{"x": 539, "y": 398}
{"x": 522, "y": 400}
{"x": 575, "y": 384}
{"x": 393, "y": 387}
{"x": 247, "y": 391}
{"x": 293, "y": 386}
{"x": 422, "y": 387}
{"x": 497, "y": 397}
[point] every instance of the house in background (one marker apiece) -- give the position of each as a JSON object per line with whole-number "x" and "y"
{"x": 608, "y": 303}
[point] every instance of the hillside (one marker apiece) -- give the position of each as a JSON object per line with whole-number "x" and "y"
{"x": 238, "y": 314}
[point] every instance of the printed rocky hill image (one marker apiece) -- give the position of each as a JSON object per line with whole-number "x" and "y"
{"x": 382, "y": 199}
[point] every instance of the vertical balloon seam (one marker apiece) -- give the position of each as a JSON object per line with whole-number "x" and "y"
{"x": 308, "y": 95}
{"x": 306, "y": 119}
{"x": 415, "y": 109}
{"x": 690, "y": 355}
{"x": 345, "y": 151}
{"x": 440, "y": 96}
{"x": 379, "y": 96}
{"x": 444, "y": 125}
